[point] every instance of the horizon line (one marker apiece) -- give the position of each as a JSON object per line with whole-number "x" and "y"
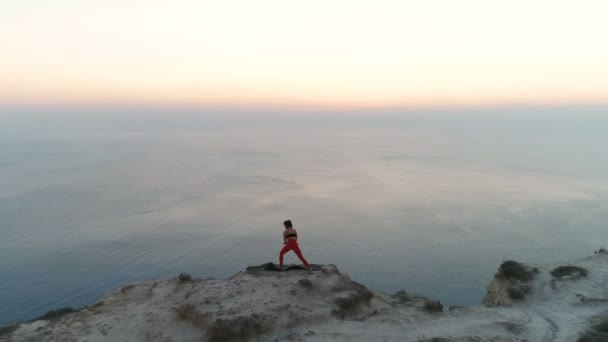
{"x": 304, "y": 108}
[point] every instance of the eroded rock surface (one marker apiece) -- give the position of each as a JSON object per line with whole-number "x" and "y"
{"x": 261, "y": 304}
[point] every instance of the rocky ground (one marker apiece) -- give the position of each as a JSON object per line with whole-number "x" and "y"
{"x": 523, "y": 303}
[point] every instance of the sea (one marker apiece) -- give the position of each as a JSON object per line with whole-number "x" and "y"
{"x": 429, "y": 202}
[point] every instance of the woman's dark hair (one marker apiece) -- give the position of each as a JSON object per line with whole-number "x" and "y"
{"x": 287, "y": 224}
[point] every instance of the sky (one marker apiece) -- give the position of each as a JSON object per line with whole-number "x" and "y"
{"x": 304, "y": 54}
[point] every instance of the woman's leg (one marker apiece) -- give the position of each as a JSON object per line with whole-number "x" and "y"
{"x": 298, "y": 252}
{"x": 284, "y": 250}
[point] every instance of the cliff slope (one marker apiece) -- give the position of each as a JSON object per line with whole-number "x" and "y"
{"x": 524, "y": 302}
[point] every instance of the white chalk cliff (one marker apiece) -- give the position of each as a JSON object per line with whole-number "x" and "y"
{"x": 523, "y": 303}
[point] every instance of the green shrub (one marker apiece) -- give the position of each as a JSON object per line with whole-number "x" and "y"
{"x": 402, "y": 296}
{"x": 589, "y": 337}
{"x": 602, "y": 326}
{"x": 349, "y": 305}
{"x": 184, "y": 277}
{"x": 569, "y": 271}
{"x": 513, "y": 270}
{"x": 126, "y": 288}
{"x": 7, "y": 330}
{"x": 597, "y": 333}
{"x": 243, "y": 328}
{"x": 433, "y": 306}
{"x": 56, "y": 313}
{"x": 188, "y": 312}
{"x": 515, "y": 293}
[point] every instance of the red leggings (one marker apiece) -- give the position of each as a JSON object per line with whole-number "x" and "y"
{"x": 292, "y": 245}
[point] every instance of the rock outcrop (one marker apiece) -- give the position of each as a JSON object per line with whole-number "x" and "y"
{"x": 511, "y": 283}
{"x": 555, "y": 304}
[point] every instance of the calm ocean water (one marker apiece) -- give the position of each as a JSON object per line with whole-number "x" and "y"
{"x": 429, "y": 205}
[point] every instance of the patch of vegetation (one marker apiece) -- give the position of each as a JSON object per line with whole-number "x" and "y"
{"x": 513, "y": 270}
{"x": 433, "y": 306}
{"x": 402, "y": 296}
{"x": 513, "y": 328}
{"x": 598, "y": 332}
{"x": 515, "y": 293}
{"x": 305, "y": 283}
{"x": 348, "y": 305}
{"x": 519, "y": 292}
{"x": 589, "y": 337}
{"x": 456, "y": 307}
{"x": 184, "y": 278}
{"x": 188, "y": 312}
{"x": 126, "y": 288}
{"x": 573, "y": 272}
{"x": 346, "y": 284}
{"x": 7, "y": 330}
{"x": 56, "y": 313}
{"x": 602, "y": 326}
{"x": 238, "y": 329}
{"x": 98, "y": 304}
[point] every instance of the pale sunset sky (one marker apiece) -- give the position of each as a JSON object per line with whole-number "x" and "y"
{"x": 301, "y": 54}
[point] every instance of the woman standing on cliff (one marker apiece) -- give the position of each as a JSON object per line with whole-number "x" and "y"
{"x": 290, "y": 240}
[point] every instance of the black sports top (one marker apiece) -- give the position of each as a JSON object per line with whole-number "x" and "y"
{"x": 291, "y": 235}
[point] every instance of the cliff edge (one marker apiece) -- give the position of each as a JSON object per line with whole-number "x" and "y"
{"x": 563, "y": 302}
